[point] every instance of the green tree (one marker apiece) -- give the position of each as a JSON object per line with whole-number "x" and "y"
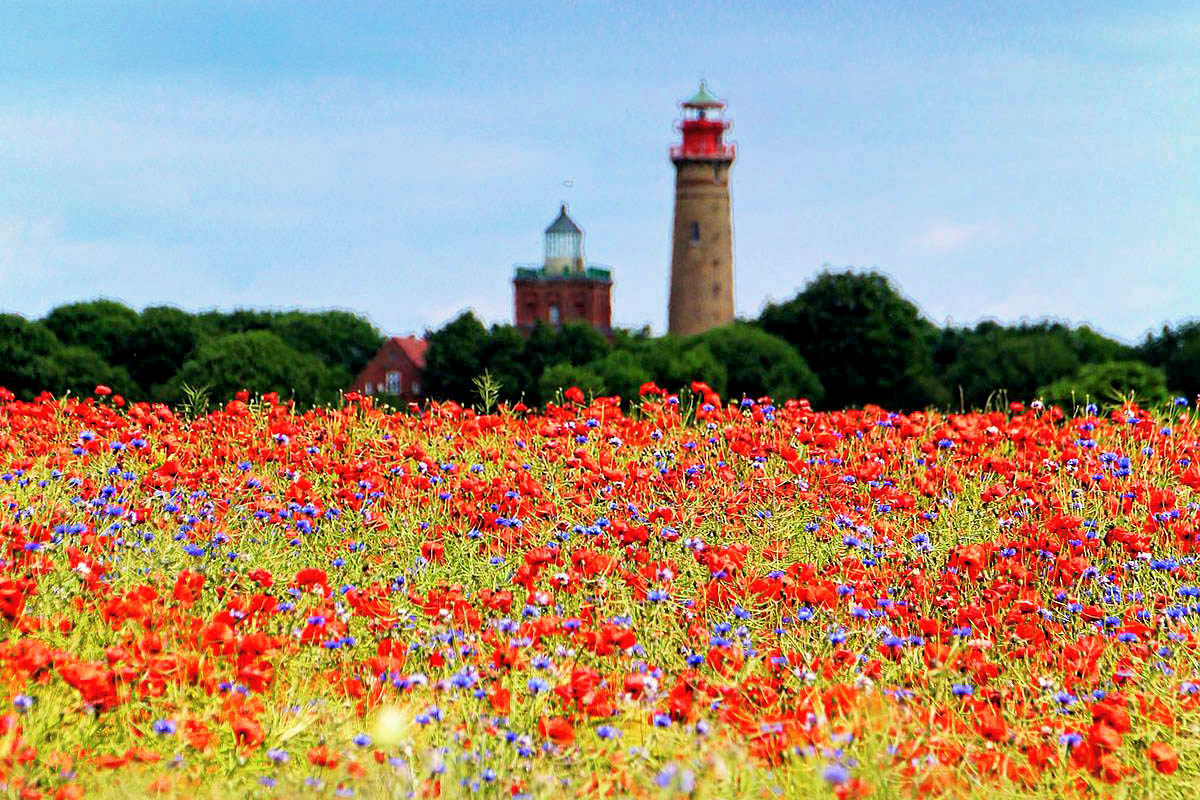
{"x": 564, "y": 375}
{"x": 945, "y": 352}
{"x": 218, "y": 323}
{"x": 695, "y": 362}
{"x": 79, "y": 370}
{"x": 1017, "y": 359}
{"x": 758, "y": 363}
{"x": 1110, "y": 382}
{"x": 455, "y": 356}
{"x": 579, "y": 343}
{"x": 504, "y": 359}
{"x": 1095, "y": 348}
{"x": 463, "y": 349}
{"x": 1177, "y": 352}
{"x": 993, "y": 358}
{"x": 260, "y": 362}
{"x": 866, "y": 342}
{"x": 103, "y": 326}
{"x": 621, "y": 374}
{"x": 157, "y": 347}
{"x": 541, "y": 351}
{"x": 338, "y": 338}
{"x": 22, "y": 346}
{"x": 674, "y": 362}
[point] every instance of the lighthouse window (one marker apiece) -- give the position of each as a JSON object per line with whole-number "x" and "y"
{"x": 695, "y": 231}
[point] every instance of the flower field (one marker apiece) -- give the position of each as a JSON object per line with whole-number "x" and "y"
{"x": 690, "y": 598}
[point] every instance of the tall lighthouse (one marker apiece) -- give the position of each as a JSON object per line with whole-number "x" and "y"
{"x": 702, "y": 235}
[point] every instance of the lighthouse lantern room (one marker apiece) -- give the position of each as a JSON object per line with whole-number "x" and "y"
{"x": 703, "y": 129}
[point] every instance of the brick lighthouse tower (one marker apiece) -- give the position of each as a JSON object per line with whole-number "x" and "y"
{"x": 702, "y": 236}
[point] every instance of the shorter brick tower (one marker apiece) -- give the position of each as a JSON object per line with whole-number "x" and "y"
{"x": 702, "y": 235}
{"x": 564, "y": 287}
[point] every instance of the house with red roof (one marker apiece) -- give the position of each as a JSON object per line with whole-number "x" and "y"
{"x": 395, "y": 370}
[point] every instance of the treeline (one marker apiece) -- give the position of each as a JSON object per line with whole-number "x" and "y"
{"x": 847, "y": 339}
{"x": 161, "y": 353}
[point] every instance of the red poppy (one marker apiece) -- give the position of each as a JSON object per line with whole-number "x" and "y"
{"x": 1163, "y": 757}
{"x": 322, "y": 756}
{"x": 557, "y": 730}
{"x": 247, "y": 732}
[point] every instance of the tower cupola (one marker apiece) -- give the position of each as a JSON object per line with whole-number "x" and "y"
{"x": 703, "y": 128}
{"x": 564, "y": 288}
{"x": 564, "y": 245}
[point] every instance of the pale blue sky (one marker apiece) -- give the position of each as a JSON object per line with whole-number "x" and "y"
{"x": 998, "y": 160}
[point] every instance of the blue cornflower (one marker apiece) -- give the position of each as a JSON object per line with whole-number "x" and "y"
{"x": 836, "y": 774}
{"x": 462, "y": 680}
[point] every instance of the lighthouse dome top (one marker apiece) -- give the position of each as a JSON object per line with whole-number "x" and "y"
{"x": 564, "y": 245}
{"x": 703, "y": 98}
{"x": 563, "y": 223}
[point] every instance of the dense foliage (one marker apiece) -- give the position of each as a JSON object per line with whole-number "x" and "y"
{"x": 695, "y": 598}
{"x": 1108, "y": 382}
{"x": 160, "y": 352}
{"x": 738, "y": 359}
{"x": 863, "y": 339}
{"x": 1177, "y": 351}
{"x": 848, "y": 339}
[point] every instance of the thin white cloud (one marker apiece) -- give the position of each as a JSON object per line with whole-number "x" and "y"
{"x": 211, "y": 197}
{"x": 942, "y": 238}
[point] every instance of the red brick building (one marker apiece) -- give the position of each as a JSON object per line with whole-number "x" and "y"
{"x": 395, "y": 370}
{"x": 564, "y": 287}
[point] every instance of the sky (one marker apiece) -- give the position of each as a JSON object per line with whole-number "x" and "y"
{"x": 1000, "y": 161}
